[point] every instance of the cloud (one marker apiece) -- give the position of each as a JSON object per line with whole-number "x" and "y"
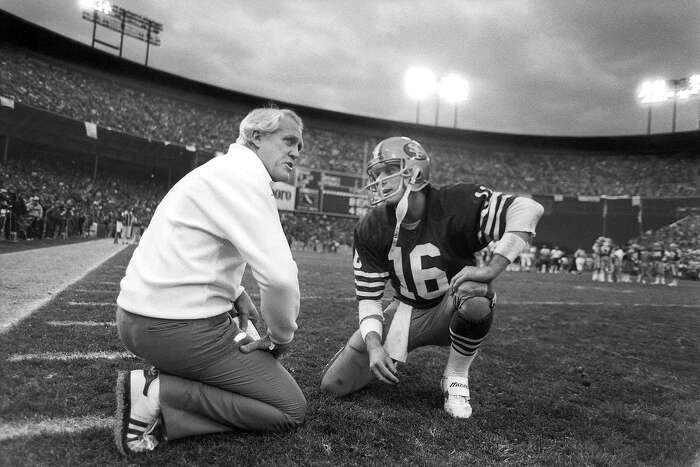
{"x": 535, "y": 66}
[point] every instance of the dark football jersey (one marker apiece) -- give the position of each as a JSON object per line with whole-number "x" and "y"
{"x": 458, "y": 221}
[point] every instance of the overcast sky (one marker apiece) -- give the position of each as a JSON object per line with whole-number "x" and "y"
{"x": 550, "y": 67}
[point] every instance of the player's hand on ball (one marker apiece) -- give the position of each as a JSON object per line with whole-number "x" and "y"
{"x": 382, "y": 365}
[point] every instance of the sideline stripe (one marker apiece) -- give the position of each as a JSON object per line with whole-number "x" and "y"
{"x": 34, "y": 427}
{"x": 36, "y": 277}
{"x": 82, "y": 323}
{"x": 70, "y": 356}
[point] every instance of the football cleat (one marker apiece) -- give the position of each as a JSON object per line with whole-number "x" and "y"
{"x": 138, "y": 425}
{"x": 456, "y": 391}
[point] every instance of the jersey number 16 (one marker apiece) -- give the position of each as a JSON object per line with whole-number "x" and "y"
{"x": 413, "y": 278}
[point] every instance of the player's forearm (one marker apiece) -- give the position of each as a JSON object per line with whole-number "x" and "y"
{"x": 373, "y": 341}
{"x": 495, "y": 267}
{"x": 371, "y": 321}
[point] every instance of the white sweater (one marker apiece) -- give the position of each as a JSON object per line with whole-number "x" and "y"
{"x": 191, "y": 258}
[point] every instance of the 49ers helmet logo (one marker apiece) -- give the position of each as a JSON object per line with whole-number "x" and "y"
{"x": 415, "y": 151}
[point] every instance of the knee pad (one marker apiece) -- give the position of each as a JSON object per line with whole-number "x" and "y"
{"x": 473, "y": 319}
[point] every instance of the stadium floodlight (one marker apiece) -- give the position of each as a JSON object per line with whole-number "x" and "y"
{"x": 125, "y": 22}
{"x": 419, "y": 83}
{"x": 454, "y": 89}
{"x": 103, "y": 6}
{"x": 651, "y": 92}
{"x": 661, "y": 90}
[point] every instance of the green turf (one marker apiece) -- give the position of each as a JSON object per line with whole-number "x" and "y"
{"x": 606, "y": 378}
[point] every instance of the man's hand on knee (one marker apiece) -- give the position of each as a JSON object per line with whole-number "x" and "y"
{"x": 245, "y": 309}
{"x": 249, "y": 345}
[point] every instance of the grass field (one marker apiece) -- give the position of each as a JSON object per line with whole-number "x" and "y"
{"x": 573, "y": 373}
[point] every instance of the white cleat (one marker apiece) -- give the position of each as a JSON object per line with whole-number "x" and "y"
{"x": 456, "y": 391}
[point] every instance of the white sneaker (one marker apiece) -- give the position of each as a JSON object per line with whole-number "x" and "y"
{"x": 456, "y": 391}
{"x": 138, "y": 415}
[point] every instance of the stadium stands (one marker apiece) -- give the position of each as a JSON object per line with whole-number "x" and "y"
{"x": 87, "y": 95}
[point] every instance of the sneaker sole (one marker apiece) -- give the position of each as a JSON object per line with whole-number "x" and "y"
{"x": 121, "y": 416}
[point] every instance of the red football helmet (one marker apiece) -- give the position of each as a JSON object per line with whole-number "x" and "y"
{"x": 411, "y": 160}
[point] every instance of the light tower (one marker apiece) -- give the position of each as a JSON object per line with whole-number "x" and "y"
{"x": 661, "y": 90}
{"x": 454, "y": 89}
{"x": 125, "y": 22}
{"x": 652, "y": 92}
{"x": 419, "y": 84}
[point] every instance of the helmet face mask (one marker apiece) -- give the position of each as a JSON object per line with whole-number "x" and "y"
{"x": 397, "y": 163}
{"x": 387, "y": 180}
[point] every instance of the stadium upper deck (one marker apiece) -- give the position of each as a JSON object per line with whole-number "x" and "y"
{"x": 48, "y": 71}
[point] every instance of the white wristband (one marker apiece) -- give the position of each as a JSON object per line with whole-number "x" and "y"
{"x": 369, "y": 325}
{"x": 510, "y": 246}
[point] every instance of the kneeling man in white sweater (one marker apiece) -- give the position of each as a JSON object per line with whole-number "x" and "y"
{"x": 182, "y": 293}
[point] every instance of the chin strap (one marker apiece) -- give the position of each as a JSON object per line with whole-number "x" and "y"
{"x": 402, "y": 206}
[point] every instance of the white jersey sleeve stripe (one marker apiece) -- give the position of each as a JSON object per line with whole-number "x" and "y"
{"x": 375, "y": 295}
{"x": 371, "y": 275}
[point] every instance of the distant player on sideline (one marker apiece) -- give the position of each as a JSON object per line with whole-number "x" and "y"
{"x": 423, "y": 239}
{"x": 182, "y": 293}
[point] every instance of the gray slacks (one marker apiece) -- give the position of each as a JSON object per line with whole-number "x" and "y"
{"x": 206, "y": 384}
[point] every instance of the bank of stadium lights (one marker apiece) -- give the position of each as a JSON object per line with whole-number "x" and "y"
{"x": 125, "y": 22}
{"x": 420, "y": 83}
{"x": 662, "y": 90}
{"x": 453, "y": 89}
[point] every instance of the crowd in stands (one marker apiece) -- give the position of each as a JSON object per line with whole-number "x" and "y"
{"x": 44, "y": 198}
{"x": 317, "y": 232}
{"x": 47, "y": 198}
{"x": 159, "y": 114}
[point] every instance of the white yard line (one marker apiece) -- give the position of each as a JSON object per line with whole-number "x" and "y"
{"x": 33, "y": 277}
{"x": 70, "y": 356}
{"x": 112, "y": 303}
{"x": 81, "y": 323}
{"x": 112, "y": 291}
{"x": 563, "y": 303}
{"x": 38, "y": 426}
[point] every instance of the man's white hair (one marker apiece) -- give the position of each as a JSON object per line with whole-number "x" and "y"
{"x": 264, "y": 120}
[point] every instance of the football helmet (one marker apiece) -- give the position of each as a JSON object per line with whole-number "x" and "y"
{"x": 411, "y": 160}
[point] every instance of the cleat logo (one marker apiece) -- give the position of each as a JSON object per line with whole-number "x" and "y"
{"x": 458, "y": 385}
